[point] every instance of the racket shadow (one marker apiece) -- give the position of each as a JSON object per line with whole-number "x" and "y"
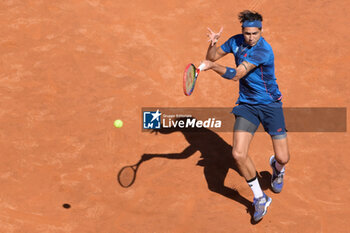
{"x": 216, "y": 159}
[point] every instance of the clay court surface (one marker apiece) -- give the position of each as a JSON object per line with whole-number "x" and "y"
{"x": 70, "y": 68}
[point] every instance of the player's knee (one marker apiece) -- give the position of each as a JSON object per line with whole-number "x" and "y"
{"x": 283, "y": 158}
{"x": 239, "y": 155}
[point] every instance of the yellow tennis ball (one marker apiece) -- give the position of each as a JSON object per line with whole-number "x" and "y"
{"x": 118, "y": 123}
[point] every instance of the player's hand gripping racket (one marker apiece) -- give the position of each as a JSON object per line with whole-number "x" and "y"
{"x": 190, "y": 77}
{"x": 127, "y": 175}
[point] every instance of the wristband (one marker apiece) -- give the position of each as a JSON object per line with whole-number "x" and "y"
{"x": 230, "y": 73}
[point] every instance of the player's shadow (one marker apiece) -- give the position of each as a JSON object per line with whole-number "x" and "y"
{"x": 216, "y": 158}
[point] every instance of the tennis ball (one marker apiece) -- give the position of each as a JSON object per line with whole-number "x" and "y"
{"x": 118, "y": 123}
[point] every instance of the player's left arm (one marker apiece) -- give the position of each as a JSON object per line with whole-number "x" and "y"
{"x": 234, "y": 74}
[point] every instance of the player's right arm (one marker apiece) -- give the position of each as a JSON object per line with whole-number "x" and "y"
{"x": 234, "y": 74}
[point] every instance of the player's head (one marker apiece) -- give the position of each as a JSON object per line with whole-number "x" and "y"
{"x": 251, "y": 26}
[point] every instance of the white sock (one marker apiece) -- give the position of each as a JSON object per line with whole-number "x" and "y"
{"x": 279, "y": 167}
{"x": 255, "y": 186}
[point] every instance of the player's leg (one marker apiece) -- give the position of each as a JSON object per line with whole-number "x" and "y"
{"x": 280, "y": 146}
{"x": 243, "y": 134}
{"x": 241, "y": 142}
{"x": 278, "y": 161}
{"x": 272, "y": 119}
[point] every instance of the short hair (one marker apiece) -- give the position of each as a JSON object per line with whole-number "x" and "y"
{"x": 250, "y": 16}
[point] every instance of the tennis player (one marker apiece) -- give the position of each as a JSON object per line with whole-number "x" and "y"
{"x": 259, "y": 101}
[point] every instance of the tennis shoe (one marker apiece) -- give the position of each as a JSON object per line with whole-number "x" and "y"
{"x": 260, "y": 204}
{"x": 277, "y": 176}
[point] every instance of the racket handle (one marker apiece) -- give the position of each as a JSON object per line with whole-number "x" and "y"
{"x": 201, "y": 67}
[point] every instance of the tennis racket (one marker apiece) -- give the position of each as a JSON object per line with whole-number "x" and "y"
{"x": 127, "y": 175}
{"x": 190, "y": 77}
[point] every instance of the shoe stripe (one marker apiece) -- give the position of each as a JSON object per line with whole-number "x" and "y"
{"x": 267, "y": 205}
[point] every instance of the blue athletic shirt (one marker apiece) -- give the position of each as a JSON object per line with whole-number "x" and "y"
{"x": 259, "y": 86}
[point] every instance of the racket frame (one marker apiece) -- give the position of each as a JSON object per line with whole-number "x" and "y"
{"x": 134, "y": 167}
{"x": 197, "y": 71}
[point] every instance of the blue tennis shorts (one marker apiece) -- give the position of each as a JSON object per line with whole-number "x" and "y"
{"x": 269, "y": 115}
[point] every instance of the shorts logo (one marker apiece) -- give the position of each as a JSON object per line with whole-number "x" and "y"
{"x": 279, "y": 130}
{"x": 151, "y": 120}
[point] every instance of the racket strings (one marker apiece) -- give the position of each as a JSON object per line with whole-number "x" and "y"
{"x": 190, "y": 76}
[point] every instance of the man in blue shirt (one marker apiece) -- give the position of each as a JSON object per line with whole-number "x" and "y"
{"x": 259, "y": 101}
